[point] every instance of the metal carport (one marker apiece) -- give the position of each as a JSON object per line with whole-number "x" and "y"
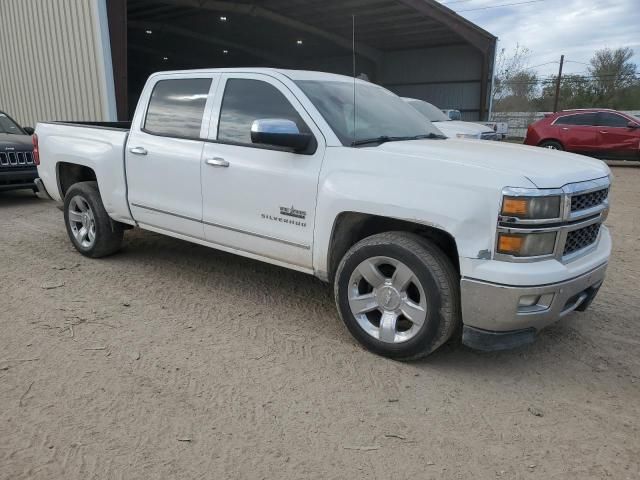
{"x": 417, "y": 48}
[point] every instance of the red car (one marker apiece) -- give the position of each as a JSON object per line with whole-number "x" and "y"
{"x": 595, "y": 131}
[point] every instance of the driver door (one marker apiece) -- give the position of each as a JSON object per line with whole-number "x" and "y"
{"x": 615, "y": 136}
{"x": 256, "y": 198}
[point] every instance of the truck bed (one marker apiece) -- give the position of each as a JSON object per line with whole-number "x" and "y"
{"x": 102, "y": 125}
{"x": 97, "y": 146}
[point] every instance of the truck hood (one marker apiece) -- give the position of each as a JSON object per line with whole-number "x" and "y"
{"x": 18, "y": 142}
{"x": 543, "y": 167}
{"x": 453, "y": 127}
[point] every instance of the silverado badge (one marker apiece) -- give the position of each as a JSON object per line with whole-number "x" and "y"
{"x": 292, "y": 212}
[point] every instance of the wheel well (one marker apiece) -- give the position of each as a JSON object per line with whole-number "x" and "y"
{"x": 351, "y": 227}
{"x": 550, "y": 140}
{"x": 70, "y": 173}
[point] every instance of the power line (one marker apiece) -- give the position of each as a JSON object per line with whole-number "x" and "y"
{"x": 570, "y": 79}
{"x": 581, "y": 63}
{"x": 542, "y": 65}
{"x": 500, "y": 6}
{"x": 456, "y": 1}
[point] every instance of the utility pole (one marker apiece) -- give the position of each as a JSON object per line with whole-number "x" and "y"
{"x": 555, "y": 102}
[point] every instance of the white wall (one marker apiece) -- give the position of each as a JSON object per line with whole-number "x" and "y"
{"x": 55, "y": 61}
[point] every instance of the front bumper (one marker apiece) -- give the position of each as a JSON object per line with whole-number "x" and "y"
{"x": 495, "y": 308}
{"x": 18, "y": 179}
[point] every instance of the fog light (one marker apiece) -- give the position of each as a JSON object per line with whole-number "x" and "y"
{"x": 535, "y": 303}
{"x": 528, "y": 300}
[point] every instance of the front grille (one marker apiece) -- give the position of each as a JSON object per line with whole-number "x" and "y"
{"x": 581, "y": 238}
{"x": 588, "y": 200}
{"x": 16, "y": 159}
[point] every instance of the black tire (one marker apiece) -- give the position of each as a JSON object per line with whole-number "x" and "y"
{"x": 551, "y": 144}
{"x": 437, "y": 275}
{"x": 108, "y": 234}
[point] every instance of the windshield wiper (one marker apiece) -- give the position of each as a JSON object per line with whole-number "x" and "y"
{"x": 385, "y": 138}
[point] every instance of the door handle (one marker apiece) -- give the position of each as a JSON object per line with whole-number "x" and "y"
{"x": 138, "y": 150}
{"x": 565, "y": 128}
{"x": 604, "y": 131}
{"x": 216, "y": 162}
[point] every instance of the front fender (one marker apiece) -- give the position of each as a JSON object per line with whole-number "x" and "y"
{"x": 461, "y": 203}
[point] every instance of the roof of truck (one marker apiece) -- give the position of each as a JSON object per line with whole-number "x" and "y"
{"x": 291, "y": 74}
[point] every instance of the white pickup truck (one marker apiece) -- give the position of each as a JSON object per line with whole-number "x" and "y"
{"x": 422, "y": 237}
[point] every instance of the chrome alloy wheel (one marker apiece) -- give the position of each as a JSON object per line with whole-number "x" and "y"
{"x": 387, "y": 299}
{"x": 82, "y": 221}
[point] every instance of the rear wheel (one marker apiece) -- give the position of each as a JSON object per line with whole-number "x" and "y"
{"x": 89, "y": 227}
{"x": 551, "y": 145}
{"x": 398, "y": 294}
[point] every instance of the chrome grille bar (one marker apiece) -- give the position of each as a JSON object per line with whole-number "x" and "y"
{"x": 16, "y": 159}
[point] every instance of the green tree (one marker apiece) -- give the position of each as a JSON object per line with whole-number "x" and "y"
{"x": 612, "y": 72}
{"x": 507, "y": 66}
{"x": 514, "y": 86}
{"x": 576, "y": 91}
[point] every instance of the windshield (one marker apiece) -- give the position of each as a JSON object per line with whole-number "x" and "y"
{"x": 379, "y": 113}
{"x": 9, "y": 126}
{"x": 428, "y": 110}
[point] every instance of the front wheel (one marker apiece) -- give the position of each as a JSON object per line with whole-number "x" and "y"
{"x": 398, "y": 294}
{"x": 89, "y": 227}
{"x": 551, "y": 145}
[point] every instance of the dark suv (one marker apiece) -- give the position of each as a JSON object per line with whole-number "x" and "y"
{"x": 17, "y": 167}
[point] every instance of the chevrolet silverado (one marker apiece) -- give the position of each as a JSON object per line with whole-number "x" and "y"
{"x": 424, "y": 238}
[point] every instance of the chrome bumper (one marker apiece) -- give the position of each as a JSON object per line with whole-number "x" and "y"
{"x": 501, "y": 308}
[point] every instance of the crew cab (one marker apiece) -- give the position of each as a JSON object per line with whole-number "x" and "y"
{"x": 17, "y": 167}
{"x": 421, "y": 236}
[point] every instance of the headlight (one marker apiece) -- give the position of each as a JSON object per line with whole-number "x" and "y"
{"x": 526, "y": 244}
{"x": 531, "y": 208}
{"x": 468, "y": 135}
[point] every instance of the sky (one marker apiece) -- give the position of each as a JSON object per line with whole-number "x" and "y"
{"x": 549, "y": 28}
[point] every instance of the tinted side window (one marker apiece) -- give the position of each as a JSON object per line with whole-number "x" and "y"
{"x": 7, "y": 126}
{"x": 579, "y": 119}
{"x": 611, "y": 120}
{"x": 177, "y": 106}
{"x": 247, "y": 100}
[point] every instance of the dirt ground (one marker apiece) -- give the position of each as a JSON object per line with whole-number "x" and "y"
{"x": 170, "y": 360}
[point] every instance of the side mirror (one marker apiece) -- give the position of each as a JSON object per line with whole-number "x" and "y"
{"x": 279, "y": 132}
{"x": 632, "y": 125}
{"x": 29, "y": 130}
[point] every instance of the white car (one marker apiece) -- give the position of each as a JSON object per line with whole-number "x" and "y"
{"x": 452, "y": 114}
{"x": 451, "y": 128}
{"x": 420, "y": 236}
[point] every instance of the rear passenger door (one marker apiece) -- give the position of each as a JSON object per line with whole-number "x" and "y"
{"x": 578, "y": 132}
{"x": 164, "y": 151}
